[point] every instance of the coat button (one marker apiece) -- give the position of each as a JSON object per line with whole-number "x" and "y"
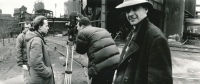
{"x": 126, "y": 79}
{"x": 129, "y": 60}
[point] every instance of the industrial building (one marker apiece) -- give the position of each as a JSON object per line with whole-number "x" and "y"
{"x": 168, "y": 15}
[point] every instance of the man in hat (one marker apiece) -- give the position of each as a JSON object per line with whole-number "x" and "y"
{"x": 146, "y": 57}
{"x": 39, "y": 64}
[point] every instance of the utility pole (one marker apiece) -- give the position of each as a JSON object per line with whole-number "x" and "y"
{"x": 103, "y": 13}
{"x": 81, "y": 7}
{"x": 55, "y": 9}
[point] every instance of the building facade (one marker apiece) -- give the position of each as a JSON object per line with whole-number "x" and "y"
{"x": 168, "y": 15}
{"x": 38, "y": 5}
{"x": 72, "y": 5}
{"x": 22, "y": 16}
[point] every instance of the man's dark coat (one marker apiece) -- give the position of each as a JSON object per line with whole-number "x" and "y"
{"x": 148, "y": 60}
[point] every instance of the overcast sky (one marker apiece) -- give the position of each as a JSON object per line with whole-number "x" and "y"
{"x": 198, "y": 2}
{"x": 7, "y": 6}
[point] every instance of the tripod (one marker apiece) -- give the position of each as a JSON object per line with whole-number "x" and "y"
{"x": 68, "y": 72}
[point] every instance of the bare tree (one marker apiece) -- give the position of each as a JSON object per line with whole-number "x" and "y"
{"x": 7, "y": 25}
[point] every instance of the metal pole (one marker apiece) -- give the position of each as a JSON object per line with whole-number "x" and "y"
{"x": 81, "y": 7}
{"x": 103, "y": 13}
{"x": 55, "y": 10}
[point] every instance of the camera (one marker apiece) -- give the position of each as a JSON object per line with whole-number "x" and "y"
{"x": 72, "y": 20}
{"x": 72, "y": 29}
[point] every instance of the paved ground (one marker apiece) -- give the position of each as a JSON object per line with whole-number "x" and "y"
{"x": 185, "y": 65}
{"x": 10, "y": 73}
{"x": 185, "y": 61}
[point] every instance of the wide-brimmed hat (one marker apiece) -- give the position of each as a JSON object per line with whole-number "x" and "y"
{"x": 128, "y": 3}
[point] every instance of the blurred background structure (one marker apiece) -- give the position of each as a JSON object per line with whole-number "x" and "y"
{"x": 169, "y": 15}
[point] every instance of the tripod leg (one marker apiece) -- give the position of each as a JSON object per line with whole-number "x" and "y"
{"x": 86, "y": 75}
{"x": 70, "y": 78}
{"x": 72, "y": 56}
{"x": 66, "y": 58}
{"x": 66, "y": 61}
{"x": 114, "y": 76}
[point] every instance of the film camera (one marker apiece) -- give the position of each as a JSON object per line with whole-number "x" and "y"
{"x": 71, "y": 25}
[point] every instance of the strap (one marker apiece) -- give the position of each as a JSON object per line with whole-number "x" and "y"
{"x": 28, "y": 51}
{"x": 23, "y": 37}
{"x": 129, "y": 41}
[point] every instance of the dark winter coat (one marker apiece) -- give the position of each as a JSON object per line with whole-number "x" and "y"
{"x": 40, "y": 69}
{"x": 148, "y": 59}
{"x": 20, "y": 49}
{"x": 102, "y": 52}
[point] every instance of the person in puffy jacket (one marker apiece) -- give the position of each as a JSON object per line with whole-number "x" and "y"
{"x": 39, "y": 64}
{"x": 102, "y": 52}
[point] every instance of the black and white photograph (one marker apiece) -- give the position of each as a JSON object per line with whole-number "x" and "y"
{"x": 99, "y": 41}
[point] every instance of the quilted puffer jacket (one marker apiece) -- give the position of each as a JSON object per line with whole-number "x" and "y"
{"x": 102, "y": 52}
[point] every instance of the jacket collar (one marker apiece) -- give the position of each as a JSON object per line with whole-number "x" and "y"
{"x": 87, "y": 26}
{"x": 39, "y": 35}
{"x": 140, "y": 28}
{"x": 137, "y": 40}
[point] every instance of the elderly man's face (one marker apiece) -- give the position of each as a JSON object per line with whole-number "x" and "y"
{"x": 135, "y": 14}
